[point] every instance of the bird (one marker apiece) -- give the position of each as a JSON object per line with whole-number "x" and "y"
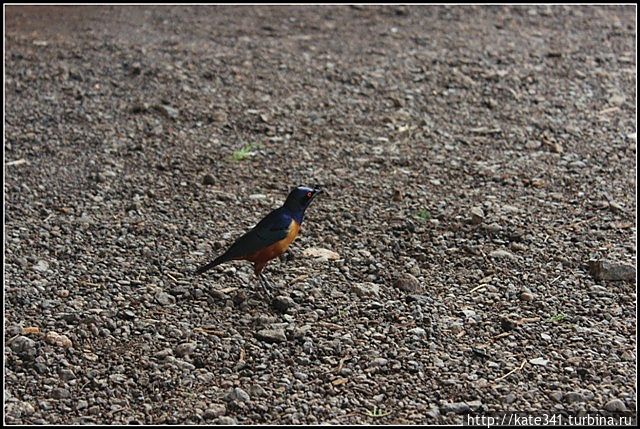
{"x": 271, "y": 237}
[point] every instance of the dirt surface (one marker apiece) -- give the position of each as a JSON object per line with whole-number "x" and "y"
{"x": 475, "y": 160}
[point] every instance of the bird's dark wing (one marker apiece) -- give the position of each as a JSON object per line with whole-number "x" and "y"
{"x": 270, "y": 230}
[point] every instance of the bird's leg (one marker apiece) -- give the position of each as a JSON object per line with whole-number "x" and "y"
{"x": 266, "y": 285}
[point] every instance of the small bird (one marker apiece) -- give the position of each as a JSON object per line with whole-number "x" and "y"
{"x": 271, "y": 237}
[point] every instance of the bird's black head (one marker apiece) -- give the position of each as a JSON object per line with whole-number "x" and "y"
{"x": 300, "y": 198}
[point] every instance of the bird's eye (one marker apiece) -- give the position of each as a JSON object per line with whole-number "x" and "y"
{"x": 309, "y": 194}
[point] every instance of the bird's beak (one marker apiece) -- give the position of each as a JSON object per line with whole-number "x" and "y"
{"x": 317, "y": 191}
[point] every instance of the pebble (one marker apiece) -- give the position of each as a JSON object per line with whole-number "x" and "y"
{"x": 615, "y": 405}
{"x": 271, "y": 335}
{"x": 225, "y": 420}
{"x": 320, "y": 254}
{"x": 365, "y": 289}
{"x": 60, "y": 393}
{"x": 214, "y": 410}
{"x": 169, "y": 111}
{"x": 572, "y": 397}
{"x": 539, "y": 361}
{"x": 283, "y": 303}
{"x": 164, "y": 298}
{"x": 23, "y": 345}
{"x": 556, "y": 396}
{"x": 503, "y": 254}
{"x": 407, "y": 283}
{"x": 526, "y": 296}
{"x": 612, "y": 270}
{"x": 185, "y": 349}
{"x": 378, "y": 362}
{"x": 237, "y": 394}
{"x": 41, "y": 266}
{"x": 208, "y": 180}
{"x": 477, "y": 215}
{"x": 56, "y": 339}
{"x": 455, "y": 407}
{"x": 418, "y": 331}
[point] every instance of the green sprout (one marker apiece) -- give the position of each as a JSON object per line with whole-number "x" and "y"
{"x": 245, "y": 152}
{"x": 557, "y": 318}
{"x": 424, "y": 214}
{"x": 377, "y": 412}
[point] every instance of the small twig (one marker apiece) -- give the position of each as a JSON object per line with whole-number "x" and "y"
{"x": 341, "y": 363}
{"x": 355, "y": 413}
{"x": 17, "y": 162}
{"x": 502, "y": 335}
{"x": 512, "y": 371}
{"x": 477, "y": 287}
{"x": 555, "y": 280}
{"x": 608, "y": 110}
{"x": 171, "y": 277}
{"x": 580, "y": 222}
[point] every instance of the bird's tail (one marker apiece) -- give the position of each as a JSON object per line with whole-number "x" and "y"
{"x": 219, "y": 260}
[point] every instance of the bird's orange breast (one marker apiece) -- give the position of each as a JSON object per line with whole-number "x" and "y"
{"x": 277, "y": 248}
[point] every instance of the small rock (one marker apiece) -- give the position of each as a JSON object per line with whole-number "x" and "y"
{"x": 475, "y": 405}
{"x": 56, "y": 339}
{"x": 162, "y": 354}
{"x": 237, "y": 394}
{"x": 321, "y": 254}
{"x": 23, "y": 346}
{"x": 60, "y": 393}
{"x": 225, "y": 420}
{"x": 365, "y": 289}
{"x": 214, "y": 410}
{"x": 556, "y": 396}
{"x": 526, "y": 296}
{"x": 477, "y": 216}
{"x": 456, "y": 407}
{"x": 41, "y": 266}
{"x": 533, "y": 144}
{"x": 502, "y": 254}
{"x": 612, "y": 270}
{"x": 433, "y": 412}
{"x": 456, "y": 327}
{"x": 283, "y": 303}
{"x": 539, "y": 361}
{"x": 508, "y": 324}
{"x": 82, "y": 404}
{"x": 615, "y": 405}
{"x": 546, "y": 337}
{"x": 556, "y": 148}
{"x": 378, "y": 362}
{"x": 572, "y": 397}
{"x": 468, "y": 314}
{"x": 168, "y": 111}
{"x": 185, "y": 349}
{"x": 208, "y": 180}
{"x": 128, "y": 314}
{"x": 257, "y": 390}
{"x": 271, "y": 335}
{"x": 510, "y": 398}
{"x": 617, "y": 99}
{"x": 407, "y": 283}
{"x": 164, "y": 298}
{"x": 418, "y": 331}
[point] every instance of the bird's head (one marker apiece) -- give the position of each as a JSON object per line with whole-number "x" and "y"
{"x": 300, "y": 198}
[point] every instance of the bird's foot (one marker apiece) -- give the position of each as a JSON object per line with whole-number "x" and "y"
{"x": 266, "y": 286}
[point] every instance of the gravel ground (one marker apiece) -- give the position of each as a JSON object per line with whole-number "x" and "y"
{"x": 479, "y": 164}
